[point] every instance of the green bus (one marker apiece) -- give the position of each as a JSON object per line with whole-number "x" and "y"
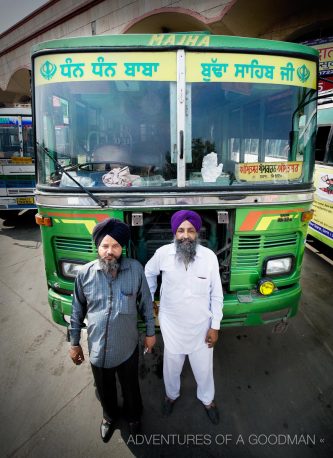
{"x": 17, "y": 161}
{"x": 139, "y": 126}
{"x": 321, "y": 226}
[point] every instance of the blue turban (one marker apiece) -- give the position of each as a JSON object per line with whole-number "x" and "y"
{"x": 185, "y": 215}
{"x": 114, "y": 228}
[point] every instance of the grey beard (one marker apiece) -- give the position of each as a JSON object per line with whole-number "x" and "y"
{"x": 186, "y": 250}
{"x": 109, "y": 266}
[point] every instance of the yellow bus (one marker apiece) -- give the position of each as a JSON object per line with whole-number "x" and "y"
{"x": 321, "y": 226}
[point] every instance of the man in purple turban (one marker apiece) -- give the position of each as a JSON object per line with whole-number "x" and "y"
{"x": 185, "y": 215}
{"x": 191, "y": 302}
{"x": 109, "y": 292}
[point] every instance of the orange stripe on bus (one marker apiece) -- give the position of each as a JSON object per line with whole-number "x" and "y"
{"x": 252, "y": 218}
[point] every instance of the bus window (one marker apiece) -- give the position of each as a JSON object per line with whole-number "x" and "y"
{"x": 111, "y": 125}
{"x": 321, "y": 142}
{"x": 27, "y": 136}
{"x": 9, "y": 137}
{"x": 245, "y": 126}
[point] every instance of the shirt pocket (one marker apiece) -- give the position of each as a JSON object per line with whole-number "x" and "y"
{"x": 200, "y": 285}
{"x": 127, "y": 302}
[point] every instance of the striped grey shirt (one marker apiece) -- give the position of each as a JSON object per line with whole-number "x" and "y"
{"x": 111, "y": 306}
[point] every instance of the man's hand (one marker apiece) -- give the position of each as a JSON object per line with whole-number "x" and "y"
{"x": 156, "y": 308}
{"x": 76, "y": 355}
{"x": 211, "y": 337}
{"x": 149, "y": 343}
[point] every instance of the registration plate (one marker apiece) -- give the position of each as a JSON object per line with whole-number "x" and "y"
{"x": 25, "y": 200}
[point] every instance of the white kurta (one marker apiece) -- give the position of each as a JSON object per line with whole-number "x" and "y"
{"x": 191, "y": 300}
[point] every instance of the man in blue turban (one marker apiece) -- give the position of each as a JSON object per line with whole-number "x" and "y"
{"x": 191, "y": 302}
{"x": 109, "y": 292}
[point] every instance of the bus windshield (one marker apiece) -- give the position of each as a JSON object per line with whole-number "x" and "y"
{"x": 11, "y": 143}
{"x": 249, "y": 127}
{"x": 125, "y": 133}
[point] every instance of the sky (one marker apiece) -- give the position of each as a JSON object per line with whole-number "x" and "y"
{"x": 12, "y": 11}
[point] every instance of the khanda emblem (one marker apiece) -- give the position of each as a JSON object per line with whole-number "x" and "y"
{"x": 47, "y": 70}
{"x": 303, "y": 73}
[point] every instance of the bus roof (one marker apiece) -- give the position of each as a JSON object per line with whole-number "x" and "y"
{"x": 193, "y": 40}
{"x": 16, "y": 111}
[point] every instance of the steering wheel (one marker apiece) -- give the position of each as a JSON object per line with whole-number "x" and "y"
{"x": 90, "y": 166}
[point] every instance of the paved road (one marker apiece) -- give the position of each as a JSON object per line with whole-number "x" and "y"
{"x": 274, "y": 390}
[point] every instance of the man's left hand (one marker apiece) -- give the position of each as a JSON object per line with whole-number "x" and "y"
{"x": 149, "y": 343}
{"x": 211, "y": 337}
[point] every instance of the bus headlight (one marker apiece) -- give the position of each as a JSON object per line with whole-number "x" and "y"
{"x": 279, "y": 266}
{"x": 69, "y": 269}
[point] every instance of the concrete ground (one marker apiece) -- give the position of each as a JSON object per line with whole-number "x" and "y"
{"x": 274, "y": 390}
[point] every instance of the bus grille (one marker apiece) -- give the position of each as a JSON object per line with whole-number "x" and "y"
{"x": 244, "y": 260}
{"x": 248, "y": 250}
{"x": 249, "y": 242}
{"x": 74, "y": 244}
{"x": 272, "y": 241}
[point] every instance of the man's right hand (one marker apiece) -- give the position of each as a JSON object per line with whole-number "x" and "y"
{"x": 156, "y": 308}
{"x": 76, "y": 355}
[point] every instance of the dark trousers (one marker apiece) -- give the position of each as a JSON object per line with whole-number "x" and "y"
{"x": 128, "y": 375}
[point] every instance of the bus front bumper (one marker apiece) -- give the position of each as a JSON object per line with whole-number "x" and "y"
{"x": 245, "y": 308}
{"x": 61, "y": 307}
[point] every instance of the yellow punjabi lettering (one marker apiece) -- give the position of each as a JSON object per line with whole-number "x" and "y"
{"x": 205, "y": 41}
{"x": 188, "y": 40}
{"x": 156, "y": 40}
{"x": 182, "y": 40}
{"x": 170, "y": 41}
{"x": 191, "y": 40}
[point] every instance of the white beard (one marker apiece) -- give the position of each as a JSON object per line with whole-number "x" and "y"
{"x": 186, "y": 250}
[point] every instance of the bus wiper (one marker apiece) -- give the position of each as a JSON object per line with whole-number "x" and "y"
{"x": 60, "y": 168}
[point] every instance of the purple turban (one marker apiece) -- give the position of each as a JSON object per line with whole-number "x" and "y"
{"x": 114, "y": 228}
{"x": 185, "y": 215}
